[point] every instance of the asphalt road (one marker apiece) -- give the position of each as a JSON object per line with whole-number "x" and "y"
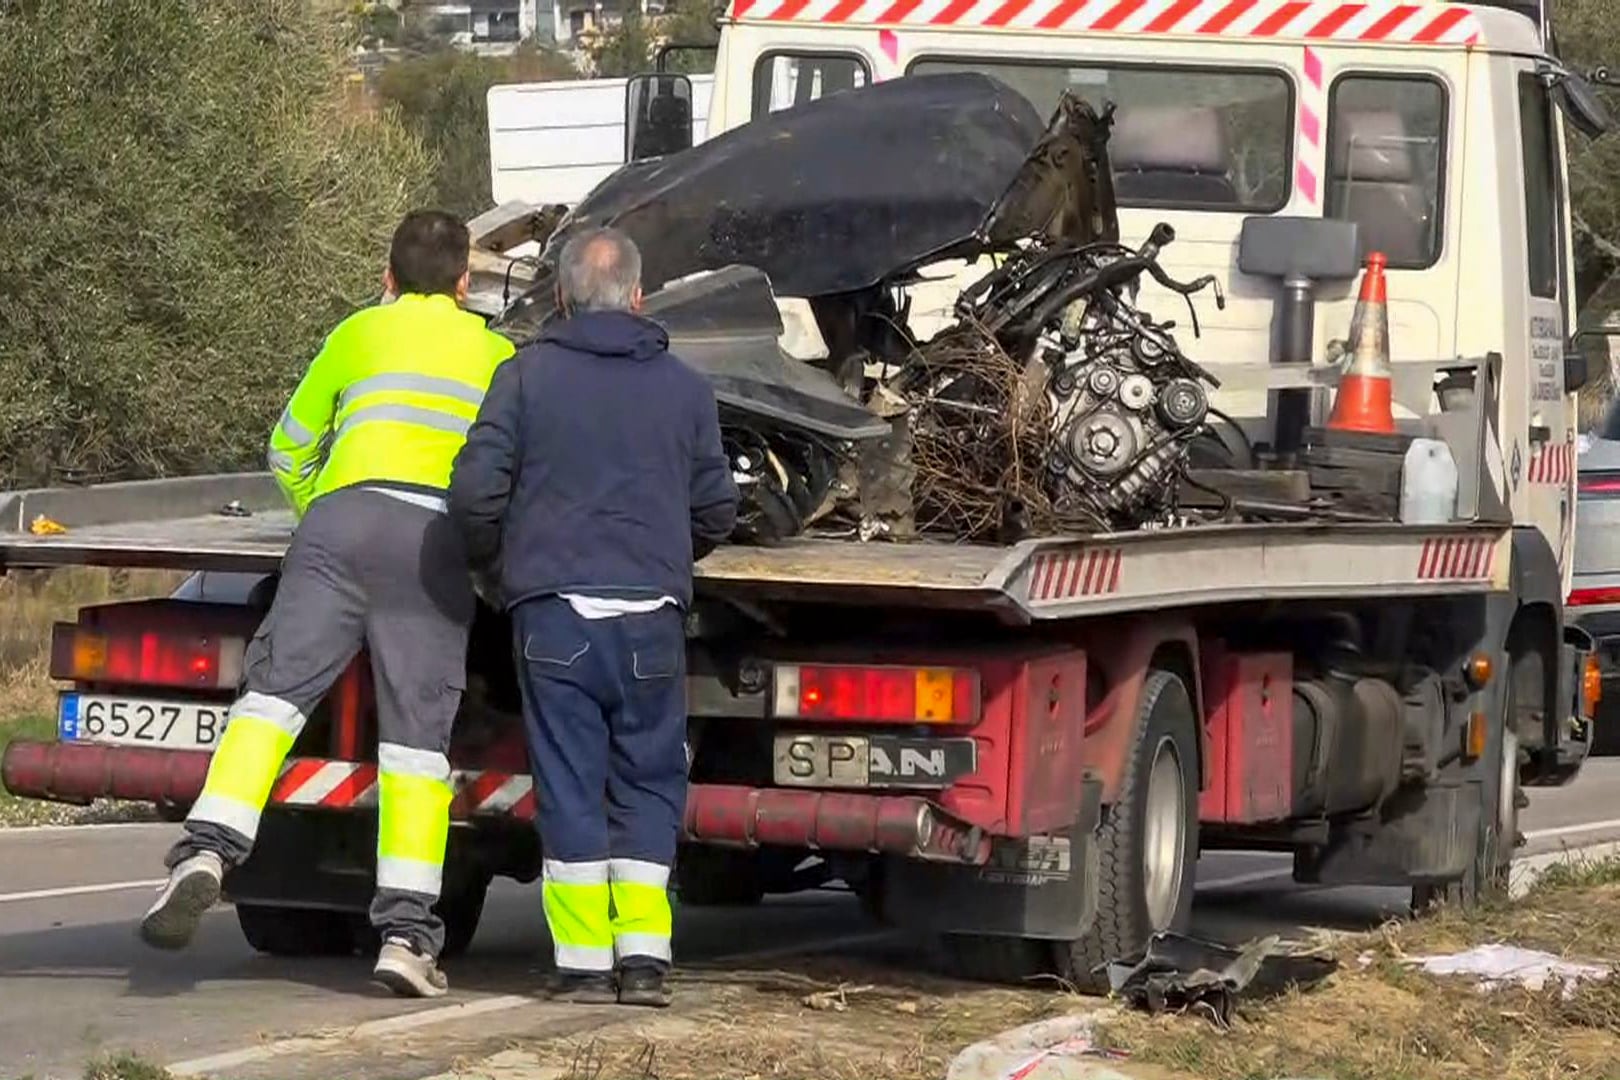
{"x": 74, "y": 982}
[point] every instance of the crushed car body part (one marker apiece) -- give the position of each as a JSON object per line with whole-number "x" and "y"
{"x": 829, "y": 197}
{"x": 1181, "y": 974}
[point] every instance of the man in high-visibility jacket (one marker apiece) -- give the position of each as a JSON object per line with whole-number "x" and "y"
{"x": 363, "y": 453}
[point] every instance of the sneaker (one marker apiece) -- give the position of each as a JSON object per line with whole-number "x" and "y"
{"x": 643, "y": 986}
{"x": 575, "y": 988}
{"x": 192, "y": 888}
{"x": 408, "y": 971}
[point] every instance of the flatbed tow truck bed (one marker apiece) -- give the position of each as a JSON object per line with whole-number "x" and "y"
{"x": 236, "y": 522}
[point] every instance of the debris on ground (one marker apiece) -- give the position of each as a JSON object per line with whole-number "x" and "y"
{"x": 1387, "y": 1019}
{"x": 1496, "y": 966}
{"x": 1058, "y": 1049}
{"x": 1182, "y": 974}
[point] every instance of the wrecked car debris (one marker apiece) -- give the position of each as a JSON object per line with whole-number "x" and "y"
{"x": 1052, "y": 404}
{"x": 1182, "y": 974}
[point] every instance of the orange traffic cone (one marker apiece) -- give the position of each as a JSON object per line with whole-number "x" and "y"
{"x": 1364, "y": 398}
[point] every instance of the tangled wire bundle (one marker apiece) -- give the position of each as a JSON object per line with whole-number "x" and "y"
{"x": 981, "y": 436}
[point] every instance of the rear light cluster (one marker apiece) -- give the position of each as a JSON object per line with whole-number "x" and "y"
{"x": 146, "y": 658}
{"x": 1593, "y": 597}
{"x": 876, "y": 694}
{"x": 1602, "y": 484}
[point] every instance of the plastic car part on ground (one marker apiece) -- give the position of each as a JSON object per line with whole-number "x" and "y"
{"x": 1182, "y": 974}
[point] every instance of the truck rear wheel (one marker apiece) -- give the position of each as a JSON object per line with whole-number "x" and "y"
{"x": 718, "y": 877}
{"x": 296, "y": 931}
{"x": 1490, "y": 868}
{"x": 1148, "y": 842}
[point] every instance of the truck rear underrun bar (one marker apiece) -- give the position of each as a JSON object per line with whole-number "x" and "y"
{"x": 722, "y": 814}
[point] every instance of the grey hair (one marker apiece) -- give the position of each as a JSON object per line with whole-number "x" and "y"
{"x": 599, "y": 271}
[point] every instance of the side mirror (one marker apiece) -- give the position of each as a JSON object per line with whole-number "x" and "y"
{"x": 657, "y": 115}
{"x": 1587, "y": 355}
{"x": 1582, "y": 105}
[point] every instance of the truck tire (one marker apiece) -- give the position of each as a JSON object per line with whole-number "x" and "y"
{"x": 296, "y": 931}
{"x": 1488, "y": 871}
{"x": 1148, "y": 842}
{"x": 718, "y": 877}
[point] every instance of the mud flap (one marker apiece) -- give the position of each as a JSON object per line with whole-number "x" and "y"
{"x": 1035, "y": 887}
{"x": 308, "y": 860}
{"x": 1425, "y": 835}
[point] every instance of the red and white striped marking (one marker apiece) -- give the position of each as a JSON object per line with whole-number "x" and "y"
{"x": 1395, "y": 23}
{"x": 1457, "y": 558}
{"x": 1552, "y": 465}
{"x": 1310, "y": 161}
{"x": 352, "y": 785}
{"x": 1063, "y": 575}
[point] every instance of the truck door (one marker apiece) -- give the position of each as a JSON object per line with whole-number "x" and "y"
{"x": 1548, "y": 464}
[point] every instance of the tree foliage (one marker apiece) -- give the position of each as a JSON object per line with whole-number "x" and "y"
{"x": 442, "y": 97}
{"x": 186, "y": 207}
{"x": 627, "y": 49}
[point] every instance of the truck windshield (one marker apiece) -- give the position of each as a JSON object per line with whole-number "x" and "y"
{"x": 1185, "y": 138}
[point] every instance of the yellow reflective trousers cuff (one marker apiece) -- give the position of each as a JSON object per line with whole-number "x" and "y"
{"x": 244, "y": 768}
{"x": 413, "y": 820}
{"x": 641, "y": 920}
{"x": 576, "y": 899}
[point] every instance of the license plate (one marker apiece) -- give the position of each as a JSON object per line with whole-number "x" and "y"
{"x": 173, "y": 725}
{"x": 871, "y": 761}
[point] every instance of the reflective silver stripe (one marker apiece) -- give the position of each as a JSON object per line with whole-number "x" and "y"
{"x": 218, "y": 810}
{"x": 283, "y": 714}
{"x": 435, "y": 503}
{"x": 415, "y": 384}
{"x": 405, "y": 414}
{"x": 404, "y": 761}
{"x": 637, "y": 872}
{"x": 584, "y": 957}
{"x": 409, "y": 875}
{"x": 653, "y": 945}
{"x": 293, "y": 431}
{"x": 280, "y": 461}
{"x": 577, "y": 873}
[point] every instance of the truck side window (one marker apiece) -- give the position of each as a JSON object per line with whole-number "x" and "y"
{"x": 1188, "y": 138}
{"x": 1386, "y": 163}
{"x": 783, "y": 80}
{"x": 1540, "y": 187}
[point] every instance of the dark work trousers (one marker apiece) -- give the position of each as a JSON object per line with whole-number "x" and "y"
{"x": 604, "y": 702}
{"x": 366, "y": 567}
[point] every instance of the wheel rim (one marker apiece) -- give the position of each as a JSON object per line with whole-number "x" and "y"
{"x": 1164, "y": 836}
{"x": 1508, "y": 789}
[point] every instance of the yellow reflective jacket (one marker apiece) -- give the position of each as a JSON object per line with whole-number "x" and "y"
{"x": 388, "y": 400}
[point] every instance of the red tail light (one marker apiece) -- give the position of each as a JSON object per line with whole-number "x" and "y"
{"x": 1592, "y": 597}
{"x": 891, "y": 695}
{"x": 1598, "y": 484}
{"x": 145, "y": 658}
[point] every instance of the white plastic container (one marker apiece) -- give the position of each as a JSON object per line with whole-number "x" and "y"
{"x": 1428, "y": 483}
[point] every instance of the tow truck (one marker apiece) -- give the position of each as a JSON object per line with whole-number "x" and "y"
{"x": 1022, "y": 748}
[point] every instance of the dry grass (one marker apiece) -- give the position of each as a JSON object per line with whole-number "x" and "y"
{"x": 818, "y": 1024}
{"x": 30, "y": 603}
{"x": 1378, "y": 1019}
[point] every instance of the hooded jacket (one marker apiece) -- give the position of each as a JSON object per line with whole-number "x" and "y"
{"x": 595, "y": 466}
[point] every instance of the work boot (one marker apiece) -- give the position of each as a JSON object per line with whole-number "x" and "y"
{"x": 408, "y": 971}
{"x": 643, "y": 986}
{"x": 192, "y": 888}
{"x": 581, "y": 988}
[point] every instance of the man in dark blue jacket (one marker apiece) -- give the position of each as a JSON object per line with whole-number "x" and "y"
{"x": 594, "y": 476}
